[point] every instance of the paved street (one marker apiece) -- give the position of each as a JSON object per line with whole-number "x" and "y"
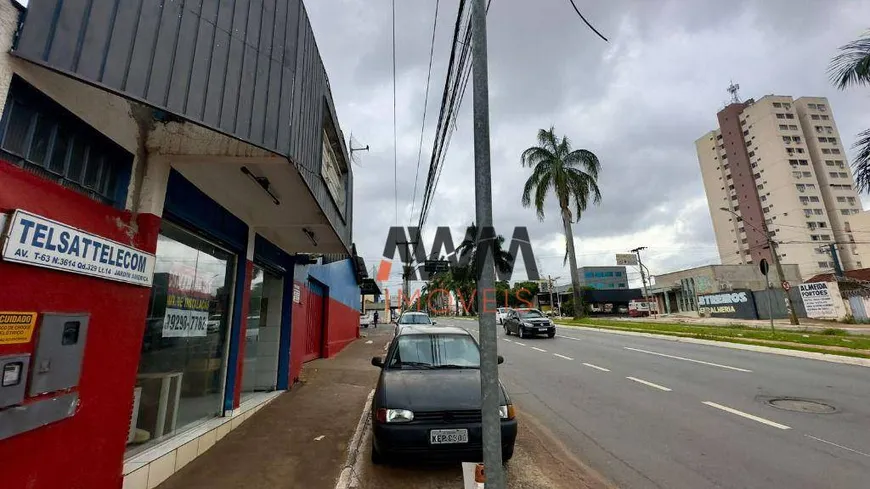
{"x": 652, "y": 413}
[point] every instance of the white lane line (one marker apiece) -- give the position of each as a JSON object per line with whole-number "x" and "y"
{"x": 747, "y": 415}
{"x": 539, "y": 349}
{"x": 646, "y": 382}
{"x": 518, "y": 343}
{"x": 568, "y": 337}
{"x": 838, "y": 446}
{"x": 596, "y": 367}
{"x": 563, "y": 356}
{"x": 509, "y": 341}
{"x": 688, "y": 359}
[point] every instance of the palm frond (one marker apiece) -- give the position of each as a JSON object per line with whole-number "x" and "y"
{"x": 541, "y": 191}
{"x": 852, "y": 65}
{"x": 547, "y": 139}
{"x": 584, "y": 159}
{"x": 861, "y": 163}
{"x": 536, "y": 155}
{"x": 534, "y": 180}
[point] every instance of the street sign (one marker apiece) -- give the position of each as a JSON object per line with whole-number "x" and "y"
{"x": 435, "y": 266}
{"x": 785, "y": 285}
{"x": 629, "y": 259}
{"x": 764, "y": 267}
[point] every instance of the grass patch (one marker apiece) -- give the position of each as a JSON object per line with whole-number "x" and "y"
{"x": 744, "y": 334}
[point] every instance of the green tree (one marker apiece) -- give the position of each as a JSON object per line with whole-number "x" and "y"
{"x": 852, "y": 67}
{"x": 572, "y": 175}
{"x": 468, "y": 250}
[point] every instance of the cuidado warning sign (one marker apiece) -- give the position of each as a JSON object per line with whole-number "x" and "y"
{"x": 16, "y": 327}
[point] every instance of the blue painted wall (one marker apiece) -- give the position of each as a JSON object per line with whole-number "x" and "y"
{"x": 338, "y": 276}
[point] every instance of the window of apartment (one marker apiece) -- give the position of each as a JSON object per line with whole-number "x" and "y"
{"x": 823, "y": 264}
{"x": 44, "y": 138}
{"x": 751, "y": 154}
{"x": 813, "y": 198}
{"x": 789, "y": 116}
{"x": 746, "y": 132}
{"x": 796, "y": 139}
{"x": 814, "y": 117}
{"x": 786, "y": 139}
{"x": 760, "y": 187}
{"x": 811, "y": 186}
{"x": 830, "y": 162}
{"x": 805, "y": 200}
{"x": 803, "y": 162}
{"x": 842, "y": 174}
{"x": 757, "y": 176}
{"x": 855, "y": 211}
{"x": 829, "y": 129}
{"x": 811, "y": 225}
{"x": 822, "y": 108}
{"x": 841, "y": 199}
{"x": 783, "y": 127}
{"x": 786, "y": 106}
{"x": 765, "y": 209}
{"x": 764, "y": 198}
{"x": 823, "y": 140}
{"x": 812, "y": 106}
{"x": 825, "y": 237}
{"x": 826, "y": 151}
{"x": 814, "y": 237}
{"x": 832, "y": 174}
{"x": 818, "y": 212}
{"x": 796, "y": 174}
{"x": 780, "y": 116}
{"x": 753, "y": 165}
{"x": 801, "y": 187}
{"x": 744, "y": 240}
{"x": 851, "y": 200}
{"x": 790, "y": 151}
{"x": 793, "y": 163}
{"x": 799, "y": 150}
{"x": 819, "y": 128}
{"x": 724, "y": 157}
{"x": 832, "y": 140}
{"x": 844, "y": 212}
{"x": 835, "y": 151}
{"x": 792, "y": 127}
{"x": 777, "y": 105}
{"x": 808, "y": 212}
{"x": 824, "y": 117}
{"x": 807, "y": 174}
{"x": 823, "y": 225}
{"x": 719, "y": 136}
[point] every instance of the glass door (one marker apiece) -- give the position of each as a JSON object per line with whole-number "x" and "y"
{"x": 263, "y": 333}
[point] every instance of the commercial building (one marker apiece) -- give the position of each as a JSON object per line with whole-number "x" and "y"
{"x": 678, "y": 291}
{"x": 603, "y": 277}
{"x": 778, "y": 166}
{"x": 176, "y": 216}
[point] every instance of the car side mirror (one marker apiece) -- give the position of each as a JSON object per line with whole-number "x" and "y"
{"x": 500, "y": 359}
{"x": 378, "y": 362}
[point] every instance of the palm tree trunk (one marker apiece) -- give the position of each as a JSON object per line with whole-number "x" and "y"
{"x": 572, "y": 261}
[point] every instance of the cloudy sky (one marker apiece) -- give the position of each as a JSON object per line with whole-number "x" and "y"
{"x": 638, "y": 102}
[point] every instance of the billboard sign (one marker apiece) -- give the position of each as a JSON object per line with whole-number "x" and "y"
{"x": 820, "y": 299}
{"x": 734, "y": 304}
{"x": 626, "y": 259}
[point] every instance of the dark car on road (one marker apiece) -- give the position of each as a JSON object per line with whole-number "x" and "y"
{"x": 427, "y": 403}
{"x": 528, "y": 322}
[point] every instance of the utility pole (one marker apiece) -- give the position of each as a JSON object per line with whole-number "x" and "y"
{"x": 552, "y": 304}
{"x": 489, "y": 386}
{"x": 838, "y": 269}
{"x": 642, "y": 275}
{"x": 407, "y": 269}
{"x": 793, "y": 319}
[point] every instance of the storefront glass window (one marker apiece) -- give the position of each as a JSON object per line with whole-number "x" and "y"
{"x": 263, "y": 333}
{"x": 182, "y": 369}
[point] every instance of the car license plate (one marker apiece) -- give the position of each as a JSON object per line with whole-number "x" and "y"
{"x": 442, "y": 437}
{"x": 542, "y": 329}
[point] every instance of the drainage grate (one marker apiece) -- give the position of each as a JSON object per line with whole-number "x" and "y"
{"x": 802, "y": 405}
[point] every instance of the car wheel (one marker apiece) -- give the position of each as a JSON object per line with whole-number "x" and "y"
{"x": 520, "y": 332}
{"x": 507, "y": 332}
{"x": 551, "y": 335}
{"x": 377, "y": 457}
{"x": 507, "y": 454}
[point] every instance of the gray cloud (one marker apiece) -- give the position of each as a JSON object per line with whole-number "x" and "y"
{"x": 639, "y": 103}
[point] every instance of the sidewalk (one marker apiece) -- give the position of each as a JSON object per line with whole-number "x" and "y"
{"x": 276, "y": 448}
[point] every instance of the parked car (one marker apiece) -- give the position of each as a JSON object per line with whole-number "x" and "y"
{"x": 427, "y": 401}
{"x": 501, "y": 313}
{"x": 407, "y": 318}
{"x": 528, "y": 322}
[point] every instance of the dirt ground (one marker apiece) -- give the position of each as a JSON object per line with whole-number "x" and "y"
{"x": 539, "y": 462}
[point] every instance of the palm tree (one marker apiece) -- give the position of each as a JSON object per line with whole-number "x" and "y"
{"x": 573, "y": 176}
{"x": 468, "y": 249}
{"x": 852, "y": 67}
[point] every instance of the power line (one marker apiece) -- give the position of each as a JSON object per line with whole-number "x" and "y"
{"x": 587, "y": 22}
{"x": 425, "y": 107}
{"x": 395, "y": 133}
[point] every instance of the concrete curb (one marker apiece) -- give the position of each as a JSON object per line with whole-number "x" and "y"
{"x": 825, "y": 357}
{"x": 349, "y": 477}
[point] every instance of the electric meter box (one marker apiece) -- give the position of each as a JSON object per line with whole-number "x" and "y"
{"x": 13, "y": 378}
{"x": 60, "y": 349}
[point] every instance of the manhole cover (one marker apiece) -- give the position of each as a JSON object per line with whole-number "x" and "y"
{"x": 802, "y": 405}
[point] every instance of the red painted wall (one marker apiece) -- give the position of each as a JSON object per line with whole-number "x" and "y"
{"x": 342, "y": 327}
{"x": 87, "y": 450}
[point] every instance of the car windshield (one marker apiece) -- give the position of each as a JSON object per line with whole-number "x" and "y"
{"x": 415, "y": 319}
{"x": 430, "y": 351}
{"x": 531, "y": 314}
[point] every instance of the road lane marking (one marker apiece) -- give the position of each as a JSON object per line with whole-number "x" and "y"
{"x": 509, "y": 341}
{"x": 539, "y": 349}
{"x": 518, "y": 343}
{"x": 838, "y": 446}
{"x": 596, "y": 367}
{"x": 646, "y": 382}
{"x": 688, "y": 359}
{"x": 747, "y": 415}
{"x": 563, "y": 356}
{"x": 568, "y": 337}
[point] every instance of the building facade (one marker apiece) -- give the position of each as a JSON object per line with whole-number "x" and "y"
{"x": 175, "y": 226}
{"x": 603, "y": 277}
{"x": 777, "y": 165}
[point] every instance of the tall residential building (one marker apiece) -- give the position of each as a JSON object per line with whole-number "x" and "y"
{"x": 603, "y": 277}
{"x": 778, "y": 164}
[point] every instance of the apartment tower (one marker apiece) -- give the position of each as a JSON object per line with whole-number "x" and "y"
{"x": 777, "y": 166}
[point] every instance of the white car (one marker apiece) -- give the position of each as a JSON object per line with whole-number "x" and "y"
{"x": 500, "y": 314}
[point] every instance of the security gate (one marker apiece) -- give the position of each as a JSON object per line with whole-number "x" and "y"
{"x": 315, "y": 333}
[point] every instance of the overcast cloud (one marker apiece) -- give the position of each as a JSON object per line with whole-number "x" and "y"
{"x": 639, "y": 103}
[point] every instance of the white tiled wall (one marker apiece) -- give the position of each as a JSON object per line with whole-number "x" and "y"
{"x": 148, "y": 469}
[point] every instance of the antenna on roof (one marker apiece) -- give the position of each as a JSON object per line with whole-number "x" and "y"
{"x": 352, "y": 150}
{"x": 732, "y": 89}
